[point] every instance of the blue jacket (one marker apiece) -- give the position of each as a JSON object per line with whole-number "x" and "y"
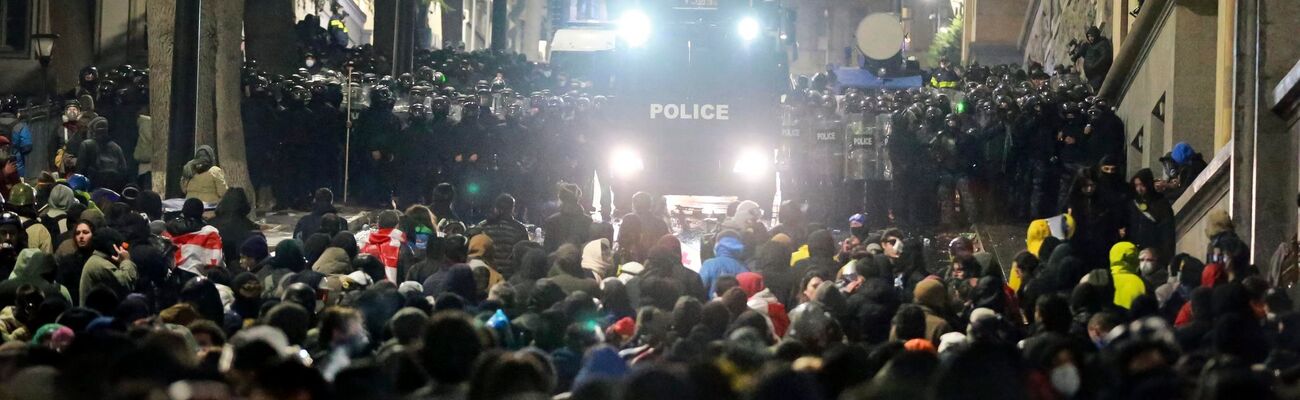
{"x": 726, "y": 261}
{"x": 22, "y": 144}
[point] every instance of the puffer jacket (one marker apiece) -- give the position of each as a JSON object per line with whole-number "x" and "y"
{"x": 208, "y": 186}
{"x": 726, "y": 261}
{"x": 334, "y": 261}
{"x": 505, "y": 232}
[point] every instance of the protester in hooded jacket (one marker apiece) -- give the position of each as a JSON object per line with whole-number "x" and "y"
{"x": 1187, "y": 165}
{"x": 505, "y": 231}
{"x": 1098, "y": 225}
{"x": 1150, "y": 217}
{"x": 932, "y": 296}
{"x": 726, "y": 261}
{"x": 567, "y": 272}
{"x": 598, "y": 258}
{"x": 821, "y": 255}
{"x": 314, "y": 246}
{"x": 772, "y": 261}
{"x": 100, "y": 158}
{"x": 334, "y": 261}
{"x": 532, "y": 267}
{"x": 55, "y": 214}
{"x": 233, "y": 224}
{"x": 1124, "y": 273}
{"x": 34, "y": 268}
{"x": 481, "y": 248}
{"x": 791, "y": 221}
{"x": 288, "y": 259}
{"x": 202, "y": 178}
{"x": 762, "y": 300}
{"x": 571, "y": 224}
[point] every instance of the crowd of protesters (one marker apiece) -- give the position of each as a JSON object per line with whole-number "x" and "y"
{"x": 105, "y": 299}
{"x": 105, "y": 295}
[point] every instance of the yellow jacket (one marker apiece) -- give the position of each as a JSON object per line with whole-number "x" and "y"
{"x": 800, "y": 254}
{"x": 1124, "y": 272}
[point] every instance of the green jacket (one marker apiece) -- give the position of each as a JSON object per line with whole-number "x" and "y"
{"x": 100, "y": 271}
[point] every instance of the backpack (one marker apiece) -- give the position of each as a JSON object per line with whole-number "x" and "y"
{"x": 52, "y": 224}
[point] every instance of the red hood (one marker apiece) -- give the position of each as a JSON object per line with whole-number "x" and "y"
{"x": 750, "y": 282}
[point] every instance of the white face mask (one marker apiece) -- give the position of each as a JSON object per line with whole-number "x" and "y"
{"x": 1065, "y": 379}
{"x": 311, "y": 63}
{"x": 1147, "y": 267}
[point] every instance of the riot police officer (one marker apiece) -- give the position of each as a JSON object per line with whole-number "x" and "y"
{"x": 826, "y": 162}
{"x": 294, "y": 144}
{"x": 377, "y": 129}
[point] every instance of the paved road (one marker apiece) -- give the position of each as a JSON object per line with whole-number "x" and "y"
{"x": 278, "y": 226}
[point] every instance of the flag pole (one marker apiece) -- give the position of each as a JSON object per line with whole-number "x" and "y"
{"x": 347, "y": 141}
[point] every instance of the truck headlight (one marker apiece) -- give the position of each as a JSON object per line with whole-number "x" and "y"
{"x": 752, "y": 163}
{"x": 748, "y": 28}
{"x": 625, "y": 162}
{"x": 634, "y": 27}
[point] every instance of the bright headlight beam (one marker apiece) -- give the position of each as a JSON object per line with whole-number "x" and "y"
{"x": 625, "y": 162}
{"x": 751, "y": 164}
{"x": 634, "y": 27}
{"x": 748, "y": 28}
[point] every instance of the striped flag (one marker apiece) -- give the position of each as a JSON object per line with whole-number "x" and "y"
{"x": 199, "y": 250}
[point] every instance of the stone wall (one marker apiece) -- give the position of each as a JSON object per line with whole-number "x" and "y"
{"x": 1055, "y": 22}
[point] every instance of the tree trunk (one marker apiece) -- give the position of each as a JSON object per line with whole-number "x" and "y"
{"x": 270, "y": 36}
{"x": 74, "y": 22}
{"x": 205, "y": 132}
{"x": 161, "y": 18}
{"x": 229, "y": 121}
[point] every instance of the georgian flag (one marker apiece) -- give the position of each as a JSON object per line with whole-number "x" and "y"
{"x": 198, "y": 251}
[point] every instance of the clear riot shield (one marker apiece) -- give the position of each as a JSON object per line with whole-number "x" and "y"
{"x": 789, "y": 141}
{"x": 884, "y": 165}
{"x": 861, "y": 148}
{"x": 362, "y": 98}
{"x": 830, "y": 148}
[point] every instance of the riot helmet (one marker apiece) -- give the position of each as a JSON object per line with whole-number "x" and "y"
{"x": 419, "y": 112}
{"x": 381, "y": 97}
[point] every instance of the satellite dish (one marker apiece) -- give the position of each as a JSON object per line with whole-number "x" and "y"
{"x": 880, "y": 36}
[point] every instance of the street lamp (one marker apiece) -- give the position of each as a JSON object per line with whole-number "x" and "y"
{"x": 44, "y": 45}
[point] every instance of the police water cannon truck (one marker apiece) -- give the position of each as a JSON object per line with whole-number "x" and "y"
{"x": 695, "y": 89}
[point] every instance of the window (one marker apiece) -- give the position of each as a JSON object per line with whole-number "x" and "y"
{"x": 15, "y": 32}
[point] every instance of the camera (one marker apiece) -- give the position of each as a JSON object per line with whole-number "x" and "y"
{"x": 1076, "y": 49}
